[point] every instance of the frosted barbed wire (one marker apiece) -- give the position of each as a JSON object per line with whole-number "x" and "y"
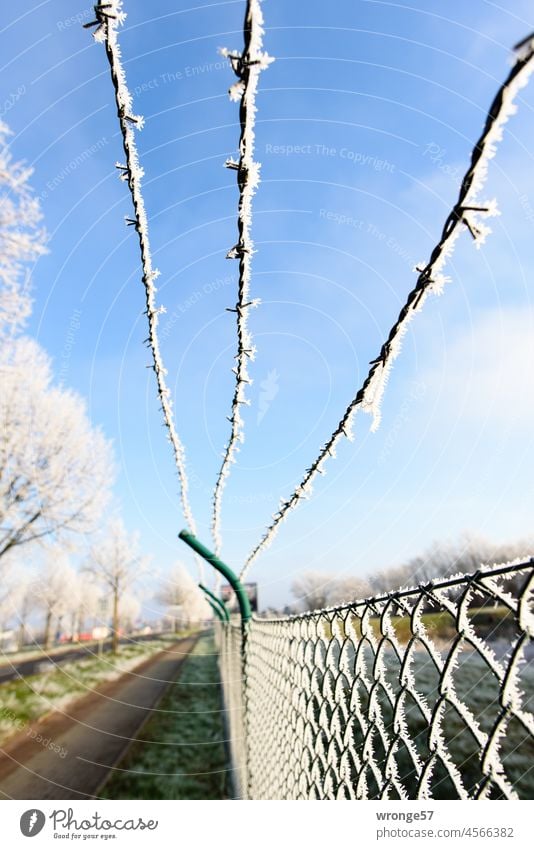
{"x": 108, "y": 17}
{"x": 247, "y": 67}
{"x": 467, "y": 212}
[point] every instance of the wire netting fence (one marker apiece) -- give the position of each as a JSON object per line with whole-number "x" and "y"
{"x": 423, "y": 693}
{"x": 230, "y": 646}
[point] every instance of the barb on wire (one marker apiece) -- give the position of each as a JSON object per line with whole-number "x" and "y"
{"x": 467, "y": 212}
{"x": 108, "y": 17}
{"x": 247, "y": 67}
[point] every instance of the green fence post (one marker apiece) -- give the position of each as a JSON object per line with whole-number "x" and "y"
{"x": 216, "y": 610}
{"x": 246, "y": 614}
{"x": 217, "y": 601}
{"x": 231, "y": 577}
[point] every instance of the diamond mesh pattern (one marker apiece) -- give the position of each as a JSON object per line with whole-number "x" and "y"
{"x": 424, "y": 693}
{"x": 230, "y": 644}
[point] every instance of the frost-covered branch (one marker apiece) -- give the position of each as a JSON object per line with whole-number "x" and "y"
{"x": 22, "y": 238}
{"x": 468, "y": 212}
{"x": 183, "y": 600}
{"x": 115, "y": 564}
{"x": 108, "y": 17}
{"x": 247, "y": 67}
{"x": 56, "y": 470}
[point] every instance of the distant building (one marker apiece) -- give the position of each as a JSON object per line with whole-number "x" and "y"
{"x": 8, "y": 640}
{"x": 229, "y": 597}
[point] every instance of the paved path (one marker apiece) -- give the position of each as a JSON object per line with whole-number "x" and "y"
{"x": 94, "y": 733}
{"x": 10, "y": 670}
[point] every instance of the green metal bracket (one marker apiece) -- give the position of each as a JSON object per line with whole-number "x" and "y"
{"x": 216, "y": 610}
{"x": 231, "y": 577}
{"x": 217, "y": 601}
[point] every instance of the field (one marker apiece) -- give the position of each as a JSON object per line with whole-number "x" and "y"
{"x": 25, "y": 700}
{"x": 478, "y": 689}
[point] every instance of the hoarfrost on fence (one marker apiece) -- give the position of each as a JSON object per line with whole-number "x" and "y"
{"x": 423, "y": 693}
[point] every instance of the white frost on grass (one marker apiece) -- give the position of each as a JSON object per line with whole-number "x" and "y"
{"x": 29, "y": 699}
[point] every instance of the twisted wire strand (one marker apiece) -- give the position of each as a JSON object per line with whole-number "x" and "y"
{"x": 108, "y": 17}
{"x": 247, "y": 66}
{"x": 467, "y": 212}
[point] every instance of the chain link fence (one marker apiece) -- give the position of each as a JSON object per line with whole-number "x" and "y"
{"x": 422, "y": 693}
{"x": 229, "y": 638}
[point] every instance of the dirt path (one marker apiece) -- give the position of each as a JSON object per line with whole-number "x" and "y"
{"x": 90, "y": 736}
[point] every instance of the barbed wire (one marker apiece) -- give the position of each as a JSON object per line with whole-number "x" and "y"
{"x": 467, "y": 212}
{"x": 247, "y": 67}
{"x": 108, "y": 17}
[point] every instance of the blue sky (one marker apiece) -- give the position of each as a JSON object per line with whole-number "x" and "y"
{"x": 365, "y": 123}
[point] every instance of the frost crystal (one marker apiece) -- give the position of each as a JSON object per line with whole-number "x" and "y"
{"x": 109, "y": 16}
{"x": 247, "y": 67}
{"x": 468, "y": 212}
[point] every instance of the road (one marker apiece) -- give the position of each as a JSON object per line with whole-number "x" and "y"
{"x": 56, "y": 657}
{"x": 90, "y": 736}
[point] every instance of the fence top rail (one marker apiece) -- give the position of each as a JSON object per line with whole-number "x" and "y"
{"x": 394, "y": 595}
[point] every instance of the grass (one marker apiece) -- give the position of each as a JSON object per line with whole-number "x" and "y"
{"x": 477, "y": 688}
{"x": 25, "y": 700}
{"x": 36, "y": 652}
{"x": 182, "y": 754}
{"x": 497, "y": 621}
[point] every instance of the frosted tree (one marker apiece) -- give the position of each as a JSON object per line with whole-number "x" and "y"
{"x": 317, "y": 590}
{"x": 115, "y": 563}
{"x": 466, "y": 554}
{"x": 25, "y": 602}
{"x": 56, "y": 469}
{"x": 443, "y": 559}
{"x": 18, "y": 598}
{"x": 348, "y": 588}
{"x": 386, "y": 579}
{"x": 89, "y": 602}
{"x": 55, "y": 591}
{"x": 22, "y": 238}
{"x": 8, "y": 592}
{"x": 312, "y": 589}
{"x": 85, "y": 603}
{"x": 182, "y": 597}
{"x": 129, "y": 610}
